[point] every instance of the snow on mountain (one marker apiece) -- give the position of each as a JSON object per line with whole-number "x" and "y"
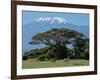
{"x": 51, "y": 20}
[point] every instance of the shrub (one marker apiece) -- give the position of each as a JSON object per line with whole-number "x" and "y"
{"x": 25, "y": 57}
{"x": 81, "y": 55}
{"x": 41, "y": 58}
{"x": 86, "y": 55}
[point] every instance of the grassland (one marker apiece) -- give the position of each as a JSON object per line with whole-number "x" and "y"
{"x": 33, "y": 63}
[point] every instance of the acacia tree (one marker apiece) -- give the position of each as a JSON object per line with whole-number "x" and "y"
{"x": 58, "y": 39}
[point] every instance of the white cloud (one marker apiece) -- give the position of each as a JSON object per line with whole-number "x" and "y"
{"x": 51, "y": 20}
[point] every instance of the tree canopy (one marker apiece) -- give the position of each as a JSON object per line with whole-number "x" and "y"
{"x": 55, "y": 36}
{"x": 57, "y": 41}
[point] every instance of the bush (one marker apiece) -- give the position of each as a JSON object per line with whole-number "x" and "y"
{"x": 83, "y": 55}
{"x": 25, "y": 57}
{"x": 86, "y": 55}
{"x": 41, "y": 58}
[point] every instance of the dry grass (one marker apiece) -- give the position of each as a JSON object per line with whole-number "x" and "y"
{"x": 33, "y": 63}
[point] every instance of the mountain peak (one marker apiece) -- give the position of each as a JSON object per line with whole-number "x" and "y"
{"x": 51, "y": 20}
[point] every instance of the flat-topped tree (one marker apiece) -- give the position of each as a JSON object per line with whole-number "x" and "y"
{"x": 58, "y": 39}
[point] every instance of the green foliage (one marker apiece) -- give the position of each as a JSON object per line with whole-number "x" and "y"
{"x": 56, "y": 43}
{"x": 85, "y": 55}
{"x": 42, "y": 58}
{"x": 25, "y": 57}
{"x": 55, "y": 37}
{"x": 80, "y": 47}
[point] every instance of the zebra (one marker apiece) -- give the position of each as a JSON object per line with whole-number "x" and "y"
{"x": 53, "y": 60}
{"x": 66, "y": 60}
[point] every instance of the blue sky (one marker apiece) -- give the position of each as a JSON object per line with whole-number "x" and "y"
{"x": 35, "y": 22}
{"x": 75, "y": 18}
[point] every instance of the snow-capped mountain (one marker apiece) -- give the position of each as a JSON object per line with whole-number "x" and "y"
{"x": 51, "y": 20}
{"x": 42, "y": 24}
